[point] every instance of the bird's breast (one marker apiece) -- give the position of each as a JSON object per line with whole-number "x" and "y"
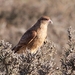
{"x": 41, "y": 35}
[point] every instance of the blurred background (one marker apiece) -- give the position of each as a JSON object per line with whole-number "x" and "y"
{"x": 16, "y": 16}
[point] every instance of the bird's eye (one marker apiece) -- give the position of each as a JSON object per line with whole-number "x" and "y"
{"x": 45, "y": 19}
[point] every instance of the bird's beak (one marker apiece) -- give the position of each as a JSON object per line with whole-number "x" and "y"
{"x": 51, "y": 21}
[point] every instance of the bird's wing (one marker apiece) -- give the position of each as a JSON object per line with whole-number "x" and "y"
{"x": 25, "y": 39}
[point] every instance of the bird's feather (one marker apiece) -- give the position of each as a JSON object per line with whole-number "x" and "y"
{"x": 25, "y": 40}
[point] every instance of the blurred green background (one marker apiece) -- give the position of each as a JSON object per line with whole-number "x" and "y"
{"x": 16, "y": 16}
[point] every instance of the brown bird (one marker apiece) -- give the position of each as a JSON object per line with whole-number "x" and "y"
{"x": 34, "y": 37}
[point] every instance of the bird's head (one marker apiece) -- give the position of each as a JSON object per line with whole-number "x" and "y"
{"x": 45, "y": 20}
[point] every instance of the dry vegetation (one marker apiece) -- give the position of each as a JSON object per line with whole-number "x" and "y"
{"x": 41, "y": 63}
{"x": 56, "y": 56}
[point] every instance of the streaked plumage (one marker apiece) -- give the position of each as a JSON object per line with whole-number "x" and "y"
{"x": 34, "y": 37}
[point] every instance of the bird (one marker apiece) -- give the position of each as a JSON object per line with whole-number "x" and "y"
{"x": 34, "y": 37}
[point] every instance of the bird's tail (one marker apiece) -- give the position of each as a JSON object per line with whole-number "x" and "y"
{"x": 16, "y": 48}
